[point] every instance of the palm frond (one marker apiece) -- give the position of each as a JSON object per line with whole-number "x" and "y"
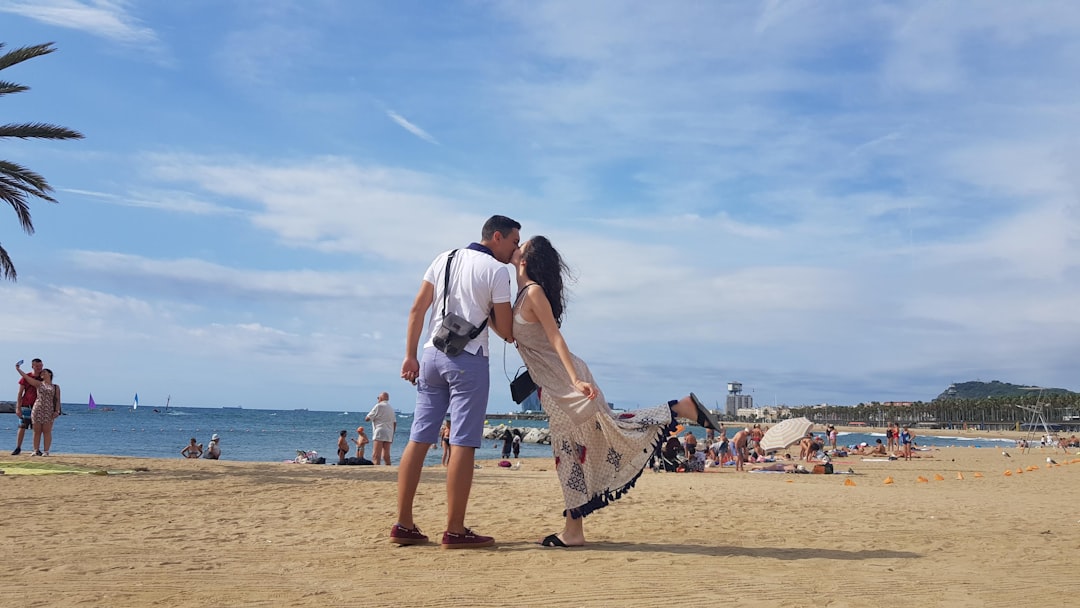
{"x": 14, "y": 194}
{"x": 18, "y": 172}
{"x": 6, "y": 265}
{"x": 38, "y": 130}
{"x": 7, "y": 88}
{"x": 20, "y": 55}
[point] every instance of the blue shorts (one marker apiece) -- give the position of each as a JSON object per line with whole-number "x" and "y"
{"x": 24, "y": 418}
{"x": 456, "y": 384}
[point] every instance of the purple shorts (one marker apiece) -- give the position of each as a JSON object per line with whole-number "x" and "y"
{"x": 456, "y": 384}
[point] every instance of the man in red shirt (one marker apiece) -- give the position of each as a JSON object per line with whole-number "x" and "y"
{"x": 24, "y": 403}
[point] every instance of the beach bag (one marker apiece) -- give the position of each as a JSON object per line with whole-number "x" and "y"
{"x": 823, "y": 469}
{"x": 522, "y": 385}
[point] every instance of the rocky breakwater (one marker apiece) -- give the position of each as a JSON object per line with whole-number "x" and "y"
{"x": 528, "y": 434}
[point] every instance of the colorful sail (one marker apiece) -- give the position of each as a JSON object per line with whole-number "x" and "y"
{"x": 92, "y": 404}
{"x": 136, "y": 405}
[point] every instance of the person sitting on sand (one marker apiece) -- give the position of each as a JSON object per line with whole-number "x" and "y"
{"x": 192, "y": 450}
{"x": 598, "y": 455}
{"x": 213, "y": 451}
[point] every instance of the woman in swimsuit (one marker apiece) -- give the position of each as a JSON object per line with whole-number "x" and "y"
{"x": 446, "y": 443}
{"x": 191, "y": 450}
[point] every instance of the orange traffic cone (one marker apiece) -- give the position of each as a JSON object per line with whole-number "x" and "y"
{"x": 960, "y": 476}
{"x": 888, "y": 480}
{"x": 1008, "y": 473}
{"x": 938, "y": 477}
{"x": 921, "y": 479}
{"x": 848, "y": 482}
{"x": 978, "y": 475}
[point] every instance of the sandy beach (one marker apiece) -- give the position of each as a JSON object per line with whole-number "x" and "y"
{"x": 206, "y": 533}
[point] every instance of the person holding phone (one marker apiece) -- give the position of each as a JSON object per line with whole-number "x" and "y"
{"x": 46, "y": 406}
{"x": 24, "y": 403}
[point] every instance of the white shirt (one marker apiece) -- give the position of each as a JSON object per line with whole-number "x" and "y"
{"x": 477, "y": 282}
{"x": 382, "y": 419}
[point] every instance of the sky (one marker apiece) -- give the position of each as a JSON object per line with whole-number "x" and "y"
{"x": 828, "y": 203}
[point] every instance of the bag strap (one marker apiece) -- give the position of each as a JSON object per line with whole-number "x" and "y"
{"x": 446, "y": 296}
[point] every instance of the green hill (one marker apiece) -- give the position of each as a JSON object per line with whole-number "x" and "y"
{"x": 994, "y": 388}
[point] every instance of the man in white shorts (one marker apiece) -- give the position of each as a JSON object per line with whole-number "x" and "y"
{"x": 383, "y": 426}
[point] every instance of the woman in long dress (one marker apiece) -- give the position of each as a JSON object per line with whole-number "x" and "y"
{"x": 46, "y": 408}
{"x": 599, "y": 455}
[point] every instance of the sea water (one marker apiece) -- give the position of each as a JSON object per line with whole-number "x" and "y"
{"x": 246, "y": 434}
{"x": 276, "y": 435}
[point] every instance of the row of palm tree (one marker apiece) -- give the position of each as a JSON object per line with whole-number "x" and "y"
{"x": 1055, "y": 407}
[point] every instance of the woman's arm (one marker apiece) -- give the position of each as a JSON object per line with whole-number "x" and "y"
{"x": 538, "y": 303}
{"x": 30, "y": 379}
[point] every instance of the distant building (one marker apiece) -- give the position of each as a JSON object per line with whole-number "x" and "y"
{"x": 532, "y": 403}
{"x": 736, "y": 400}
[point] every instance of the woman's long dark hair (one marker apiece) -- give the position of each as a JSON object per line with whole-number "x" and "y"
{"x": 545, "y": 266}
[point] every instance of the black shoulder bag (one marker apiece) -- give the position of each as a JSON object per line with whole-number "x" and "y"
{"x": 455, "y": 331}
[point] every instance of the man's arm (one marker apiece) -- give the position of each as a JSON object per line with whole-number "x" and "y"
{"x": 18, "y": 400}
{"x": 502, "y": 321}
{"x": 410, "y": 367}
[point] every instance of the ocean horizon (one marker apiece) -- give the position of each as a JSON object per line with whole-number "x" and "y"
{"x": 258, "y": 435}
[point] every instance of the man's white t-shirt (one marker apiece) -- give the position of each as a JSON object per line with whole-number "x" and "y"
{"x": 477, "y": 282}
{"x": 382, "y": 418}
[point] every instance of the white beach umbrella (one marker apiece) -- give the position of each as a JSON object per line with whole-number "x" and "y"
{"x": 785, "y": 433}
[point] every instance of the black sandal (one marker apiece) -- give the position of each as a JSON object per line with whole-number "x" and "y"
{"x": 705, "y": 418}
{"x": 553, "y": 540}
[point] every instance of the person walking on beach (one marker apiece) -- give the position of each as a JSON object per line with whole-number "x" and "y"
{"x": 361, "y": 442}
{"x": 24, "y": 404}
{"x": 383, "y": 426}
{"x": 474, "y": 284}
{"x": 516, "y": 444}
{"x": 46, "y": 407}
{"x": 598, "y": 454}
{"x": 213, "y": 451}
{"x": 192, "y": 450}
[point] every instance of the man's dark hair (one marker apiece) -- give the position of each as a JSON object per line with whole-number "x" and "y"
{"x": 36, "y": 361}
{"x": 498, "y": 223}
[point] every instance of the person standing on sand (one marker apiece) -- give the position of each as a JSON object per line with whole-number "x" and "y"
{"x": 361, "y": 442}
{"x": 599, "y": 455}
{"x": 474, "y": 285}
{"x": 383, "y": 426}
{"x": 906, "y": 439}
{"x": 24, "y": 404}
{"x": 444, "y": 433}
{"x": 739, "y": 445}
{"x": 342, "y": 446}
{"x": 46, "y": 407}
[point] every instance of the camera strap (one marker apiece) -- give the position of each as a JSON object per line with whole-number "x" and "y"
{"x": 446, "y": 295}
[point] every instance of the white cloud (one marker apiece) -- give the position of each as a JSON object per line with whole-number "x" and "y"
{"x": 109, "y": 19}
{"x": 410, "y": 127}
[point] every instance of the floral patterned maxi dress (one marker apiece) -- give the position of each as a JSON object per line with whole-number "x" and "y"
{"x": 598, "y": 454}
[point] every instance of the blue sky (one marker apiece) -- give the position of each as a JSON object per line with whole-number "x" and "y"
{"x": 827, "y": 203}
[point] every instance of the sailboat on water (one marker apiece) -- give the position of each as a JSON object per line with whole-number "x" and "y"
{"x": 166, "y": 411}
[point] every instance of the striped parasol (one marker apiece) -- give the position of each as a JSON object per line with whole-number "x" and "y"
{"x": 786, "y": 433}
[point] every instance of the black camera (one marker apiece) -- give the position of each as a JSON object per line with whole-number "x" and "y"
{"x": 454, "y": 334}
